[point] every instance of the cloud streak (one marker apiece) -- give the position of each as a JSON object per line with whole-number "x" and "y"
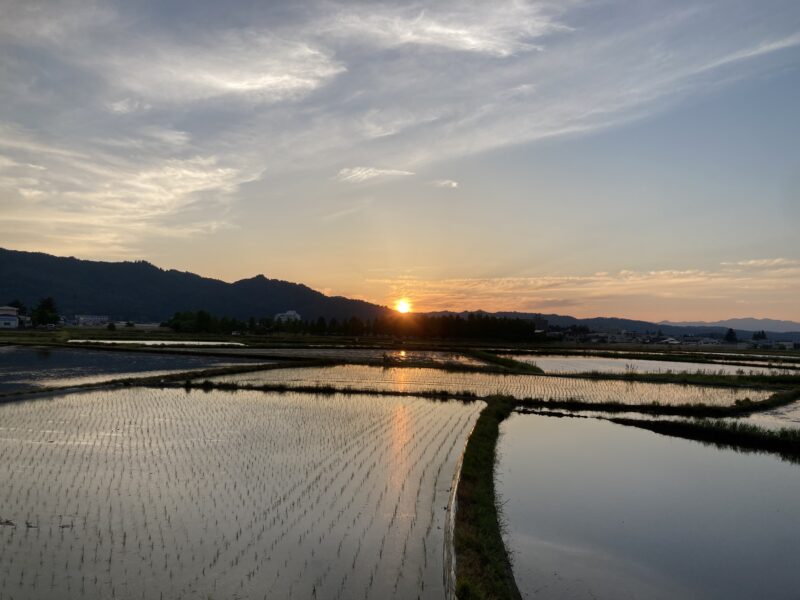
{"x": 759, "y": 287}
{"x": 361, "y": 174}
{"x": 138, "y": 118}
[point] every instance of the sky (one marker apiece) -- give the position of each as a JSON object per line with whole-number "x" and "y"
{"x": 594, "y": 158}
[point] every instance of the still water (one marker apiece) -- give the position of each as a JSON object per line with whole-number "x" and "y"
{"x": 147, "y": 494}
{"x": 34, "y": 367}
{"x": 598, "y": 510}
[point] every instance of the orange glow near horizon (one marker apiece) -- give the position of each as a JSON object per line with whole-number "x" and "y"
{"x": 403, "y": 305}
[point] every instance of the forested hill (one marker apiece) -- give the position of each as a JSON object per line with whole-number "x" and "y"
{"x": 140, "y": 291}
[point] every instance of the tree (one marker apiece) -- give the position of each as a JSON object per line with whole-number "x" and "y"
{"x": 112, "y": 326}
{"x": 45, "y": 312}
{"x": 21, "y": 308}
{"x": 760, "y": 335}
{"x": 730, "y": 337}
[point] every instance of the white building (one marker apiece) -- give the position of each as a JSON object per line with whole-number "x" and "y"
{"x": 9, "y": 318}
{"x": 289, "y": 315}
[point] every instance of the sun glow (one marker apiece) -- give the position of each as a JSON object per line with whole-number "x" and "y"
{"x": 403, "y": 305}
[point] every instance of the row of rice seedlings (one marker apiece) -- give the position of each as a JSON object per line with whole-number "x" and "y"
{"x": 583, "y": 364}
{"x": 374, "y": 355}
{"x": 147, "y": 493}
{"x": 415, "y": 380}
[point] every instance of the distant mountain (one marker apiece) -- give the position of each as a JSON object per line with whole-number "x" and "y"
{"x": 746, "y": 324}
{"x": 140, "y": 291}
{"x": 614, "y": 324}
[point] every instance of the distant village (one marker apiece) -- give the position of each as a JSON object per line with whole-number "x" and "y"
{"x": 658, "y": 338}
{"x": 11, "y": 318}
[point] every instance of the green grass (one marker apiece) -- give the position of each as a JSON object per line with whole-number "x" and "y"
{"x": 729, "y": 434}
{"x": 328, "y": 390}
{"x": 739, "y": 408}
{"x": 483, "y": 568}
{"x": 697, "y": 378}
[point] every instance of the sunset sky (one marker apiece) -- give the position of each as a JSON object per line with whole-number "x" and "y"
{"x": 592, "y": 158}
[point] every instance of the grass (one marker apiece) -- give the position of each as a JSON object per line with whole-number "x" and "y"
{"x": 697, "y": 378}
{"x": 329, "y": 390}
{"x": 483, "y": 567}
{"x": 729, "y": 434}
{"x": 739, "y": 408}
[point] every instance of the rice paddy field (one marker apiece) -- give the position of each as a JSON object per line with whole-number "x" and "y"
{"x": 175, "y": 343}
{"x": 586, "y": 364}
{"x": 374, "y": 355}
{"x": 777, "y": 418}
{"x": 626, "y": 513}
{"x": 484, "y": 384}
{"x": 30, "y": 368}
{"x": 160, "y": 493}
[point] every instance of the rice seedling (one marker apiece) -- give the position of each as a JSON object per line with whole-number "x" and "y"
{"x": 419, "y": 380}
{"x": 149, "y": 493}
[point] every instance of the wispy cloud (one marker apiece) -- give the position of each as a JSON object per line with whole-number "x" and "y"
{"x": 361, "y": 174}
{"x": 763, "y": 263}
{"x": 445, "y": 183}
{"x": 138, "y": 114}
{"x": 639, "y": 294}
{"x": 498, "y": 29}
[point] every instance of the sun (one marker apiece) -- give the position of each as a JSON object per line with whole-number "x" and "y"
{"x": 403, "y": 305}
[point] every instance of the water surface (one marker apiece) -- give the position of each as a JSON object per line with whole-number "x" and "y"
{"x": 145, "y": 493}
{"x": 586, "y": 364}
{"x": 35, "y": 367}
{"x": 484, "y": 384}
{"x": 598, "y": 510}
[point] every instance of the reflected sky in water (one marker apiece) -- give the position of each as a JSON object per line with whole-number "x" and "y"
{"x": 597, "y": 510}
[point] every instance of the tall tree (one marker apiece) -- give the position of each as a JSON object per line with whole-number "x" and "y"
{"x": 45, "y": 313}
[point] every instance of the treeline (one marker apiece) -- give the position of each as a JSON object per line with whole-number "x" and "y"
{"x": 44, "y": 313}
{"x": 474, "y": 327}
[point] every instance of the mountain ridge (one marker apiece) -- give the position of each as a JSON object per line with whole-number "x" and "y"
{"x": 744, "y": 323}
{"x": 141, "y": 291}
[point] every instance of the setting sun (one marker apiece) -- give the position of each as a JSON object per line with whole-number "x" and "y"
{"x": 403, "y": 305}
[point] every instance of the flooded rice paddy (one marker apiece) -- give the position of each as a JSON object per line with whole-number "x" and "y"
{"x": 374, "y": 355}
{"x": 176, "y": 342}
{"x": 484, "y": 384}
{"x": 626, "y": 513}
{"x": 777, "y": 418}
{"x": 587, "y": 364}
{"x": 144, "y": 493}
{"x": 30, "y": 368}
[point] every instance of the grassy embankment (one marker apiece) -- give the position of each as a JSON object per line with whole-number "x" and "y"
{"x": 738, "y": 409}
{"x": 696, "y": 378}
{"x": 664, "y": 354}
{"x": 483, "y": 567}
{"x": 321, "y": 389}
{"x": 729, "y": 434}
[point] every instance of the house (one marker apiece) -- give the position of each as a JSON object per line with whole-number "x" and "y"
{"x": 289, "y": 315}
{"x": 9, "y": 317}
